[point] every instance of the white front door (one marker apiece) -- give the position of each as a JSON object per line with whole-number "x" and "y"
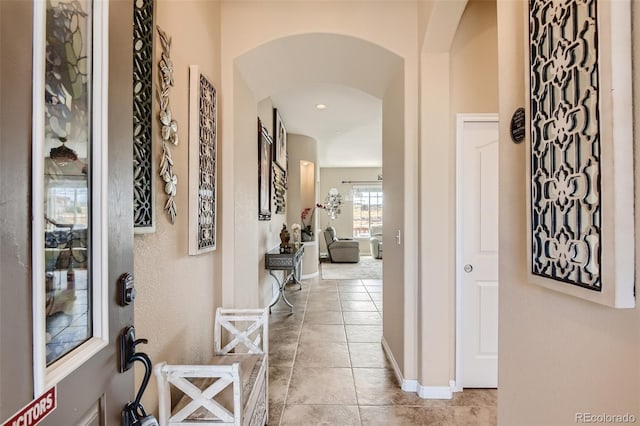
{"x": 477, "y": 252}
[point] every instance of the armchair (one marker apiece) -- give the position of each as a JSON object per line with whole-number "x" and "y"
{"x": 341, "y": 250}
{"x": 376, "y": 242}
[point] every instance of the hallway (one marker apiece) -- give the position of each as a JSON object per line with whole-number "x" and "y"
{"x": 327, "y": 365}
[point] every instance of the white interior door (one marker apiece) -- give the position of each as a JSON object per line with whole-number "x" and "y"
{"x": 477, "y": 260}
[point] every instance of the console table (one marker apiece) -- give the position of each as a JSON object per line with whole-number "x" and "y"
{"x": 289, "y": 263}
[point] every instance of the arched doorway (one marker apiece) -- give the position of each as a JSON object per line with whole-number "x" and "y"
{"x": 292, "y": 63}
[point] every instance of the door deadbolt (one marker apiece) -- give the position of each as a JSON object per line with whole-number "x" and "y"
{"x": 468, "y": 268}
{"x": 127, "y": 289}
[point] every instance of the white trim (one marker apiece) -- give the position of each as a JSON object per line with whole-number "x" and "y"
{"x": 409, "y": 385}
{"x": 454, "y": 386}
{"x": 100, "y": 160}
{"x": 37, "y": 189}
{"x": 45, "y": 377}
{"x": 406, "y": 385}
{"x": 435, "y": 392}
{"x": 308, "y": 276}
{"x": 461, "y": 119}
{"x": 622, "y": 168}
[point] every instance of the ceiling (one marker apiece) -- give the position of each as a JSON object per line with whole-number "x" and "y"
{"x": 346, "y": 74}
{"x": 348, "y": 131}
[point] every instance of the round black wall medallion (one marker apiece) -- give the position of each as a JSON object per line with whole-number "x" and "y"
{"x": 518, "y": 125}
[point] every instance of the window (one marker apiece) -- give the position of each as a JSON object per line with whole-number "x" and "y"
{"x": 367, "y": 209}
{"x": 70, "y": 247}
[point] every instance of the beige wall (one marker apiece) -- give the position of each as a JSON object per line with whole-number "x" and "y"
{"x": 398, "y": 294}
{"x": 462, "y": 80}
{"x": 177, "y": 293}
{"x": 474, "y": 59}
{"x": 243, "y": 292}
{"x": 558, "y": 354}
{"x": 301, "y": 192}
{"x": 301, "y": 148}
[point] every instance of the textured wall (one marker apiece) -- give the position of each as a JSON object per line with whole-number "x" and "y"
{"x": 302, "y": 191}
{"x": 178, "y": 293}
{"x": 460, "y": 80}
{"x": 559, "y": 355}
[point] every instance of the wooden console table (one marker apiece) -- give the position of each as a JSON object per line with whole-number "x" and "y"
{"x": 289, "y": 264}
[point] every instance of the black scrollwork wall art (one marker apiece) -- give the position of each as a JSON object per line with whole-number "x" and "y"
{"x": 580, "y": 207}
{"x": 169, "y": 126}
{"x": 279, "y": 190}
{"x": 203, "y": 137}
{"x": 143, "y": 198}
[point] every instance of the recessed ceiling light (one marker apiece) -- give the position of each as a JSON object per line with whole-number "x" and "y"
{"x": 321, "y": 106}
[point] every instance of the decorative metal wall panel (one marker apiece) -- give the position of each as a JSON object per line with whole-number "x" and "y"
{"x": 143, "y": 200}
{"x": 202, "y": 163}
{"x": 580, "y": 156}
{"x": 279, "y": 190}
{"x": 565, "y": 142}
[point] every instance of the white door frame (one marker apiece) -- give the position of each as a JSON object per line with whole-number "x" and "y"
{"x": 461, "y": 119}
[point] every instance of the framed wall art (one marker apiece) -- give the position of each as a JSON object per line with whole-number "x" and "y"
{"x": 280, "y": 149}
{"x": 580, "y": 212}
{"x": 265, "y": 147}
{"x": 203, "y": 137}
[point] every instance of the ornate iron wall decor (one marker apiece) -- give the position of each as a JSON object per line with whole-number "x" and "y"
{"x": 576, "y": 215}
{"x": 565, "y": 143}
{"x": 143, "y": 199}
{"x": 169, "y": 126}
{"x": 203, "y": 137}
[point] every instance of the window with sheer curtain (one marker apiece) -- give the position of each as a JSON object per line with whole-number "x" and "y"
{"x": 367, "y": 209}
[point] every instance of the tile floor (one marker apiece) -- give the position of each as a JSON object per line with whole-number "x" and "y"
{"x": 327, "y": 365}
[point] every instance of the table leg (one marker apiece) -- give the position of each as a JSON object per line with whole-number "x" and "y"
{"x": 296, "y": 273}
{"x": 281, "y": 285}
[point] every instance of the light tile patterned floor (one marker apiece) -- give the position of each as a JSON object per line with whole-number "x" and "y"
{"x": 327, "y": 365}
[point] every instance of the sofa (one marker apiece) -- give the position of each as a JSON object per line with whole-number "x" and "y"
{"x": 375, "y": 242}
{"x": 341, "y": 250}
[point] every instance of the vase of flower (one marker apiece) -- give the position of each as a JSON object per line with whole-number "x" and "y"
{"x": 296, "y": 235}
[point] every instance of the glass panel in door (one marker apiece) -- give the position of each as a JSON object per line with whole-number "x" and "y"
{"x": 67, "y": 177}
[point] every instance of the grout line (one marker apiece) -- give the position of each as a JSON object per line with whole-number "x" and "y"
{"x": 353, "y": 377}
{"x": 344, "y": 326}
{"x": 295, "y": 355}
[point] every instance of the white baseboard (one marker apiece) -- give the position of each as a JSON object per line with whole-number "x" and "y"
{"x": 435, "y": 392}
{"x": 424, "y": 392}
{"x": 307, "y": 276}
{"x": 406, "y": 385}
{"x": 409, "y": 385}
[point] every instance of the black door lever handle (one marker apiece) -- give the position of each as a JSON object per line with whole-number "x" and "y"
{"x": 128, "y": 343}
